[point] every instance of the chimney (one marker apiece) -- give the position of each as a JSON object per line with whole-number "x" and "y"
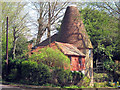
{"x": 73, "y": 30}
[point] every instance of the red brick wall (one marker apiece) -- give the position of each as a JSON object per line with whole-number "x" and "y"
{"x": 75, "y": 64}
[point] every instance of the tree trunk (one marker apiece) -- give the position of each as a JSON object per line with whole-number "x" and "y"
{"x": 14, "y": 43}
{"x": 40, "y": 33}
{"x": 49, "y": 24}
{"x": 48, "y": 34}
{"x": 14, "y": 47}
{"x": 40, "y": 29}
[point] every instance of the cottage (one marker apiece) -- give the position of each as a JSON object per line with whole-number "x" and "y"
{"x": 74, "y": 42}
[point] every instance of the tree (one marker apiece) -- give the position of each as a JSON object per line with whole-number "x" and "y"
{"x": 49, "y": 15}
{"x": 111, "y": 7}
{"x": 102, "y": 30}
{"x": 17, "y": 23}
{"x": 22, "y": 45}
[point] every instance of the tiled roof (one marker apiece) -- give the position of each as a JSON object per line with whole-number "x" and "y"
{"x": 69, "y": 49}
{"x": 66, "y": 48}
{"x": 46, "y": 42}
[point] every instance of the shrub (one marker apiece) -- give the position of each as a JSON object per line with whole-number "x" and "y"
{"x": 50, "y": 57}
{"x": 61, "y": 77}
{"x": 65, "y": 77}
{"x": 100, "y": 77}
{"x": 4, "y": 69}
{"x": 13, "y": 73}
{"x": 85, "y": 81}
{"x": 26, "y": 72}
{"x": 77, "y": 76}
{"x": 33, "y": 73}
{"x": 44, "y": 74}
{"x": 101, "y": 84}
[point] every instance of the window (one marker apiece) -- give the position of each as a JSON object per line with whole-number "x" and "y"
{"x": 70, "y": 59}
{"x": 90, "y": 51}
{"x": 80, "y": 60}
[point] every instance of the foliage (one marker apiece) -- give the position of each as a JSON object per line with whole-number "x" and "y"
{"x": 35, "y": 73}
{"x": 65, "y": 77}
{"x": 110, "y": 65}
{"x": 50, "y": 57}
{"x": 16, "y": 25}
{"x": 30, "y": 72}
{"x": 26, "y": 72}
{"x": 13, "y": 69}
{"x": 100, "y": 77}
{"x": 102, "y": 30}
{"x": 85, "y": 81}
{"x": 61, "y": 77}
{"x": 21, "y": 45}
{"x": 77, "y": 76}
{"x": 101, "y": 84}
{"x": 113, "y": 69}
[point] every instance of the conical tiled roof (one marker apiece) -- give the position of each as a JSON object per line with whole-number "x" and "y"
{"x": 73, "y": 30}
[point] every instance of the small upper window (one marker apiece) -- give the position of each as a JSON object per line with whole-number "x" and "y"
{"x": 90, "y": 52}
{"x": 80, "y": 60}
{"x": 69, "y": 58}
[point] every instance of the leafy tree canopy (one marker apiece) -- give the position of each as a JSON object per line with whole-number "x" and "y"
{"x": 102, "y": 30}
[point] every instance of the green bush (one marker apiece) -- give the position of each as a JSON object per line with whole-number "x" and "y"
{"x": 65, "y": 77}
{"x": 13, "y": 73}
{"x": 101, "y": 84}
{"x": 44, "y": 74}
{"x": 100, "y": 77}
{"x": 26, "y": 72}
{"x": 61, "y": 77}
{"x": 50, "y": 57}
{"x": 77, "y": 76}
{"x": 33, "y": 73}
{"x": 4, "y": 69}
{"x": 85, "y": 81}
